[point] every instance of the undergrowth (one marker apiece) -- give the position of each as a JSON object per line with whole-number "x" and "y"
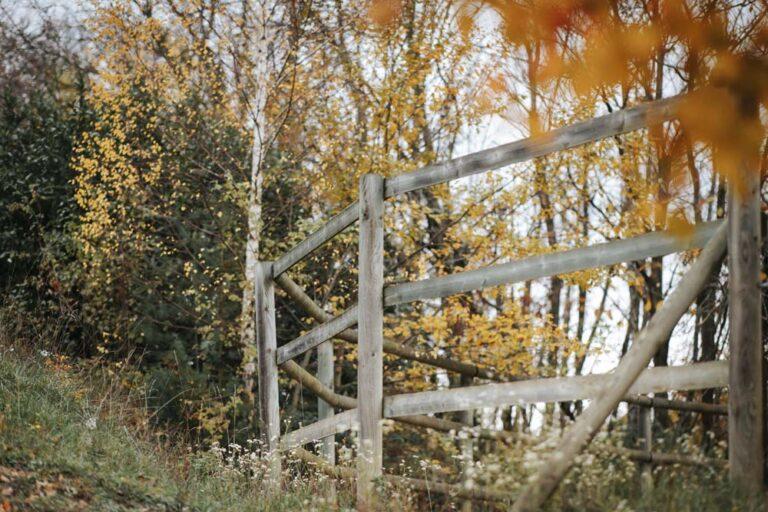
{"x": 73, "y": 438}
{"x": 63, "y": 446}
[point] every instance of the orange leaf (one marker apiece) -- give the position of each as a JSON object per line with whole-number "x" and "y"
{"x": 680, "y": 227}
{"x": 384, "y": 12}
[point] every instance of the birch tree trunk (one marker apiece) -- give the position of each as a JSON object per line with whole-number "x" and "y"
{"x": 265, "y": 45}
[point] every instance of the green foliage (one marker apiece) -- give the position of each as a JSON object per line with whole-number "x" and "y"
{"x": 160, "y": 232}
{"x": 37, "y": 132}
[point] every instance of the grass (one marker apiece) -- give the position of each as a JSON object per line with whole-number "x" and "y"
{"x": 64, "y": 447}
{"x": 72, "y": 441}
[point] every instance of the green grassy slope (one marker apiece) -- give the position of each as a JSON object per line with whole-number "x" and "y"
{"x": 70, "y": 442}
{"x": 56, "y": 453}
{"x": 61, "y": 448}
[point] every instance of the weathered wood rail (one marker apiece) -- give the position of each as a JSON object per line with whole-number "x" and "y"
{"x": 610, "y": 253}
{"x": 559, "y": 389}
{"x": 632, "y": 249}
{"x": 629, "y": 382}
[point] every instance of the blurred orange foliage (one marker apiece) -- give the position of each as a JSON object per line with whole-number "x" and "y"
{"x": 598, "y": 44}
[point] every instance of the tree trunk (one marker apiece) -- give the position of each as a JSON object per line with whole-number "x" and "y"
{"x": 264, "y": 77}
{"x": 707, "y": 316}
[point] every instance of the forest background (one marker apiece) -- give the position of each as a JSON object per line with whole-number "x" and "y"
{"x": 152, "y": 151}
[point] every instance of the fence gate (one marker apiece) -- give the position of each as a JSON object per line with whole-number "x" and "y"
{"x": 630, "y": 381}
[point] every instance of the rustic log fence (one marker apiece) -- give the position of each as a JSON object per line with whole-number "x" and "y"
{"x": 630, "y": 382}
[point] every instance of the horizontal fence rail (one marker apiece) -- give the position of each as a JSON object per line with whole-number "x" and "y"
{"x": 666, "y": 458}
{"x": 568, "y": 137}
{"x": 336, "y": 424}
{"x": 559, "y": 389}
{"x": 312, "y": 384}
{"x": 678, "y": 405}
{"x": 649, "y": 245}
{"x": 333, "y": 227}
{"x": 318, "y": 335}
{"x": 485, "y": 494}
{"x": 429, "y": 486}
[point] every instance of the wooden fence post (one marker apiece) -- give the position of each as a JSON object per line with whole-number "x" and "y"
{"x": 324, "y": 409}
{"x": 266, "y": 338}
{"x": 370, "y": 378}
{"x": 646, "y": 468}
{"x": 745, "y": 392}
{"x": 467, "y": 445}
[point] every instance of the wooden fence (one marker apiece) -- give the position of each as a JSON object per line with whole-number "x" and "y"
{"x": 629, "y": 382}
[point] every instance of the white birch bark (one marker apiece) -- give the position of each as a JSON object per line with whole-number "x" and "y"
{"x": 266, "y": 52}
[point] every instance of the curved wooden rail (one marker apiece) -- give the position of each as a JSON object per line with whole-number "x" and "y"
{"x": 392, "y": 347}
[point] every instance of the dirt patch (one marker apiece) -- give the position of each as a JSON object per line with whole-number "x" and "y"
{"x": 23, "y": 489}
